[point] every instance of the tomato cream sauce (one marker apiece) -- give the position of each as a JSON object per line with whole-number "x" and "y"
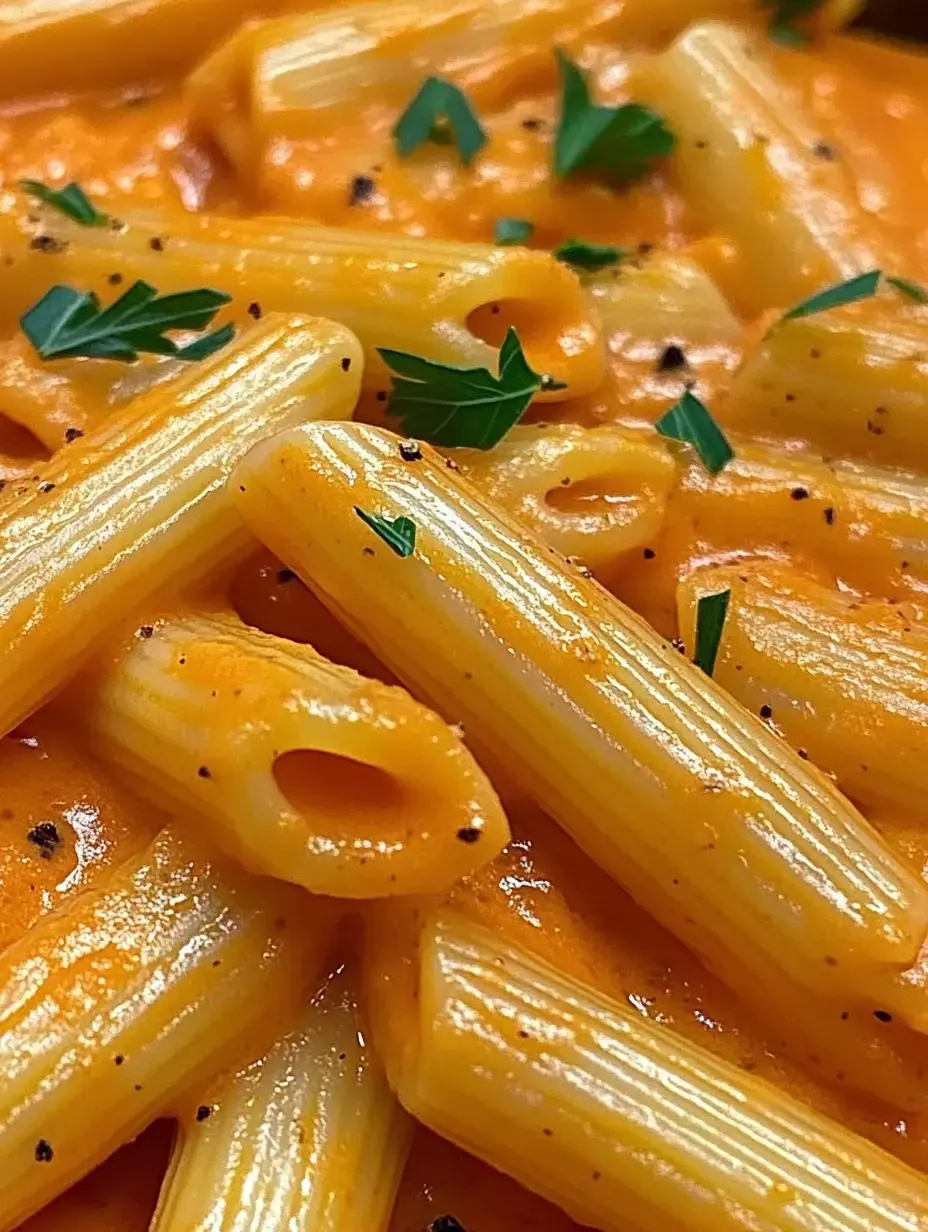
{"x": 64, "y": 823}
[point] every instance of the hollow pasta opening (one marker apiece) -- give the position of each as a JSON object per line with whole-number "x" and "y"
{"x": 337, "y": 787}
{"x": 532, "y": 321}
{"x": 603, "y": 495}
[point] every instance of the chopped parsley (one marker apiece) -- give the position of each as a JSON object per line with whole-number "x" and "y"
{"x": 399, "y": 534}
{"x": 512, "y": 231}
{"x": 71, "y": 201}
{"x": 585, "y": 255}
{"x": 784, "y": 16}
{"x": 710, "y": 621}
{"x": 910, "y": 289}
{"x": 438, "y": 102}
{"x": 864, "y": 286}
{"x": 66, "y": 323}
{"x": 468, "y": 407}
{"x": 691, "y": 422}
{"x": 614, "y": 144}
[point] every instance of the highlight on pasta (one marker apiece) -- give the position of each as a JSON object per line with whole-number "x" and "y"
{"x": 464, "y": 616}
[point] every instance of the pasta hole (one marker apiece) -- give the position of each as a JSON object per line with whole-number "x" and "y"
{"x": 490, "y": 323}
{"x": 337, "y": 787}
{"x": 599, "y": 496}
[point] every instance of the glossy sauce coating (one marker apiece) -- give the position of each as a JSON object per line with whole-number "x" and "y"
{"x": 138, "y": 147}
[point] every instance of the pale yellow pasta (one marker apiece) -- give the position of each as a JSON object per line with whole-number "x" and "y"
{"x": 308, "y": 1137}
{"x": 852, "y": 382}
{"x": 141, "y": 503}
{"x": 405, "y": 293}
{"x": 591, "y": 493}
{"x": 708, "y": 818}
{"x": 113, "y": 1007}
{"x": 742, "y": 138}
{"x": 618, "y": 1120}
{"x": 297, "y": 767}
{"x": 844, "y": 680}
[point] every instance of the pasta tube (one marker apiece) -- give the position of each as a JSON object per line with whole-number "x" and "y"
{"x": 847, "y": 682}
{"x": 141, "y": 503}
{"x": 618, "y": 1120}
{"x": 742, "y": 137}
{"x": 592, "y": 493}
{"x": 850, "y": 382}
{"x": 61, "y": 45}
{"x": 299, "y": 768}
{"x": 308, "y": 1137}
{"x": 416, "y": 295}
{"x": 111, "y": 1008}
{"x": 712, "y": 823}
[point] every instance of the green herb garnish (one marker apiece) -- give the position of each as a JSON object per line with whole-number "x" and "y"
{"x": 66, "y": 323}
{"x": 71, "y": 201}
{"x": 864, "y": 286}
{"x": 399, "y": 534}
{"x": 615, "y": 144}
{"x": 784, "y": 16}
{"x": 691, "y": 422}
{"x": 710, "y": 621}
{"x": 439, "y": 101}
{"x": 910, "y": 289}
{"x": 208, "y": 344}
{"x": 468, "y": 407}
{"x": 513, "y": 230}
{"x": 582, "y": 254}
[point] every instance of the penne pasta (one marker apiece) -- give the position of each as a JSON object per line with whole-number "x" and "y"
{"x": 838, "y": 677}
{"x": 297, "y": 767}
{"x": 591, "y": 493}
{"x": 852, "y": 382}
{"x": 708, "y": 819}
{"x": 111, "y": 1008}
{"x": 435, "y": 289}
{"x": 309, "y": 1136}
{"x": 140, "y": 504}
{"x": 741, "y": 137}
{"x": 58, "y": 45}
{"x": 621, "y": 1122}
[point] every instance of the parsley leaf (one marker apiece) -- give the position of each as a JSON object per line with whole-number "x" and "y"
{"x": 582, "y": 254}
{"x": 208, "y": 344}
{"x": 710, "y": 621}
{"x": 785, "y": 14}
{"x": 438, "y": 100}
{"x": 399, "y": 534}
{"x": 512, "y": 231}
{"x": 66, "y": 323}
{"x": 862, "y": 287}
{"x": 71, "y": 201}
{"x": 910, "y": 289}
{"x": 615, "y": 144}
{"x": 691, "y": 422}
{"x": 469, "y": 407}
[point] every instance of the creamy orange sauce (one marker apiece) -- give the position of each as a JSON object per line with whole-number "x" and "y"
{"x": 139, "y": 147}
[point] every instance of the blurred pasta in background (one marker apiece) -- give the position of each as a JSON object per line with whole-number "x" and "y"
{"x": 464, "y": 616}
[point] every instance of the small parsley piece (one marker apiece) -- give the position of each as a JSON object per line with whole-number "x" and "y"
{"x": 615, "y": 144}
{"x": 470, "y": 407}
{"x": 710, "y": 621}
{"x": 438, "y": 100}
{"x": 690, "y": 421}
{"x": 864, "y": 286}
{"x": 910, "y": 289}
{"x": 208, "y": 344}
{"x": 399, "y": 534}
{"x": 785, "y": 14}
{"x": 66, "y": 323}
{"x": 512, "y": 231}
{"x": 582, "y": 254}
{"x": 71, "y": 201}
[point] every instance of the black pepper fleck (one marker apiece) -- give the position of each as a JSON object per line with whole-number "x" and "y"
{"x": 254, "y": 310}
{"x": 362, "y": 189}
{"x": 156, "y": 243}
{"x": 43, "y": 1152}
{"x": 203, "y": 1112}
{"x": 285, "y": 575}
{"x": 468, "y": 834}
{"x": 883, "y": 1015}
{"x": 533, "y": 124}
{"x": 47, "y": 243}
{"x": 45, "y": 836}
{"x": 204, "y": 772}
{"x": 119, "y": 1058}
{"x": 46, "y": 487}
{"x": 829, "y": 515}
{"x": 410, "y": 451}
{"x": 822, "y": 149}
{"x": 800, "y": 494}
{"x": 766, "y": 712}
{"x": 146, "y": 631}
{"x": 346, "y": 363}
{"x": 649, "y": 553}
{"x": 72, "y": 434}
{"x": 672, "y": 359}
